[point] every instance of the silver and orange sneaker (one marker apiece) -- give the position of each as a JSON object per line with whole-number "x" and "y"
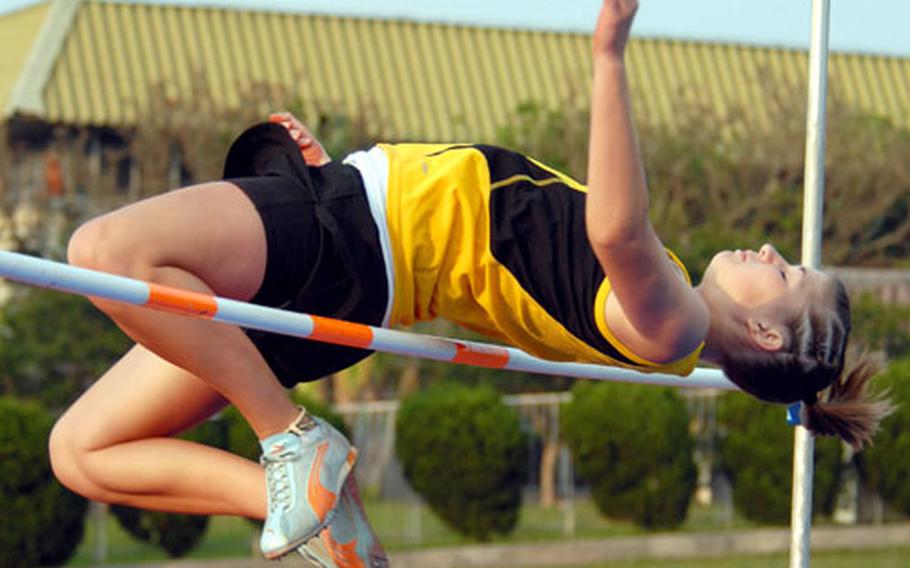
{"x": 348, "y": 541}
{"x": 305, "y": 468}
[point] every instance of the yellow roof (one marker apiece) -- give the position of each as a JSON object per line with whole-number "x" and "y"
{"x": 420, "y": 80}
{"x": 17, "y": 34}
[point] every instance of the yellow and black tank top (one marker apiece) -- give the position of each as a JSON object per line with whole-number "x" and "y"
{"x": 496, "y": 242}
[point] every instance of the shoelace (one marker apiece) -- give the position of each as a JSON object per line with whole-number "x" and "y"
{"x": 279, "y": 486}
{"x": 278, "y": 481}
{"x": 276, "y": 466}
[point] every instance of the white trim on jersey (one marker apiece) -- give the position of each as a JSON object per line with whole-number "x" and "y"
{"x": 374, "y": 168}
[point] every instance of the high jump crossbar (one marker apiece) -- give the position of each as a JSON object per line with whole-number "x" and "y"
{"x": 82, "y": 281}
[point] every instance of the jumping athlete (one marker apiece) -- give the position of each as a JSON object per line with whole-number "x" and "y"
{"x": 483, "y": 236}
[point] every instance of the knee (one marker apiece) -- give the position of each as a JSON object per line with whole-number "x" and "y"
{"x": 91, "y": 246}
{"x": 103, "y": 244}
{"x": 67, "y": 459}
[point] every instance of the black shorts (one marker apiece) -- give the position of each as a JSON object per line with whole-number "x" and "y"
{"x": 324, "y": 254}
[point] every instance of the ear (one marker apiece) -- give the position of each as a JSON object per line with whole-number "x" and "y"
{"x": 765, "y": 335}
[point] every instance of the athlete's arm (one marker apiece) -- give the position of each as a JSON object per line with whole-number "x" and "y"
{"x": 655, "y": 301}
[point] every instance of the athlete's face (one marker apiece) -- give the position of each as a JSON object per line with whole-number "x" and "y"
{"x": 763, "y": 279}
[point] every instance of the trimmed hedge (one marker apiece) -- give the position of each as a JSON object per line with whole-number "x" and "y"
{"x": 462, "y": 450}
{"x": 756, "y": 451}
{"x": 42, "y": 522}
{"x": 631, "y": 444}
{"x": 886, "y": 465}
{"x": 176, "y": 534}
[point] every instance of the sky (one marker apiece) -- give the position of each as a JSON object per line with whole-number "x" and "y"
{"x": 866, "y": 26}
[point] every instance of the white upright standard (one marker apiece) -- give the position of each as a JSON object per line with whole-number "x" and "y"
{"x": 813, "y": 200}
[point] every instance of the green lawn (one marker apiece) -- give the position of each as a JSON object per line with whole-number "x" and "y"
{"x": 404, "y": 526}
{"x": 400, "y": 525}
{"x": 226, "y": 537}
{"x": 884, "y": 558}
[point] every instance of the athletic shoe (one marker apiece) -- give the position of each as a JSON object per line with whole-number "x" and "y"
{"x": 305, "y": 468}
{"x": 348, "y": 541}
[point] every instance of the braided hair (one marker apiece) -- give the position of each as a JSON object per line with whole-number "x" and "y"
{"x": 811, "y": 369}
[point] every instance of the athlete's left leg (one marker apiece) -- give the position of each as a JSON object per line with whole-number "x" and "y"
{"x": 206, "y": 238}
{"x": 115, "y": 444}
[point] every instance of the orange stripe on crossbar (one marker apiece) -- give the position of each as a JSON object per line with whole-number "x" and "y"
{"x": 182, "y": 301}
{"x": 481, "y": 356}
{"x": 341, "y": 332}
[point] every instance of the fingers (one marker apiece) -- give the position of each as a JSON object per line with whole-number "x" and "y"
{"x": 295, "y": 128}
{"x": 312, "y": 151}
{"x": 289, "y": 121}
{"x": 611, "y": 33}
{"x": 285, "y": 119}
{"x": 315, "y": 156}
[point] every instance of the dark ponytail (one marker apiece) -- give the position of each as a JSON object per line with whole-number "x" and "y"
{"x": 847, "y": 409}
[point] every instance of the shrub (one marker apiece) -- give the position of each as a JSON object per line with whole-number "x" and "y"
{"x": 174, "y": 533}
{"x": 631, "y": 444}
{"x": 886, "y": 465}
{"x": 756, "y": 451}
{"x": 42, "y": 522}
{"x": 462, "y": 451}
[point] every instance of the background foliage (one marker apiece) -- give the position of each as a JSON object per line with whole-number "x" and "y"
{"x": 886, "y": 465}
{"x": 718, "y": 180}
{"x": 54, "y": 345}
{"x": 42, "y": 521}
{"x": 881, "y": 327}
{"x": 756, "y": 451}
{"x": 462, "y": 449}
{"x": 631, "y": 444}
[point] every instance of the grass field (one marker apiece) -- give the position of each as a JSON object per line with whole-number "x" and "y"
{"x": 885, "y": 558}
{"x": 405, "y": 526}
{"x": 400, "y": 526}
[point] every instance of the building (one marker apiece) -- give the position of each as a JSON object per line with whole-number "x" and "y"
{"x": 100, "y": 63}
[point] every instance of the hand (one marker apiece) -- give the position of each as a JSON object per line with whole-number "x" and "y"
{"x": 612, "y": 31}
{"x": 312, "y": 151}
